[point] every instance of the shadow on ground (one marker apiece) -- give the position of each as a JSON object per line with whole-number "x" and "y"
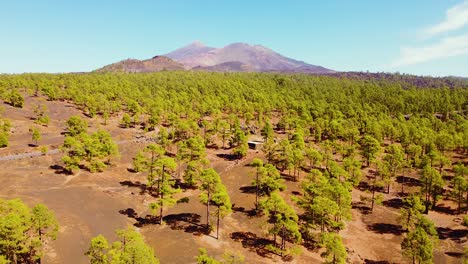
{"x": 383, "y": 228}
{"x": 457, "y": 235}
{"x": 254, "y": 243}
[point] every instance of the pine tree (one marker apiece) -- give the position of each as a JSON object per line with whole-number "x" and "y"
{"x": 76, "y": 125}
{"x": 129, "y": 248}
{"x": 370, "y": 148}
{"x": 393, "y": 158}
{"x": 166, "y": 166}
{"x": 460, "y": 187}
{"x": 432, "y": 186}
{"x": 35, "y": 134}
{"x": 335, "y": 252}
{"x": 214, "y": 193}
{"x": 283, "y": 218}
{"x": 24, "y": 231}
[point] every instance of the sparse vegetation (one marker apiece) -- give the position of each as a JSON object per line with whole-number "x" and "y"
{"x": 187, "y": 137}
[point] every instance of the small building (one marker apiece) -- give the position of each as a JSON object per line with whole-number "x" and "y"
{"x": 255, "y": 144}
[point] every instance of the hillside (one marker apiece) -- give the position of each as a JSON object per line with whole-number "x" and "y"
{"x": 354, "y": 165}
{"x": 236, "y": 57}
{"x": 155, "y": 64}
{"x": 254, "y": 57}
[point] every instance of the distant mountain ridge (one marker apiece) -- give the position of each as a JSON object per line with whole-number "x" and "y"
{"x": 251, "y": 58}
{"x": 235, "y": 57}
{"x": 157, "y": 63}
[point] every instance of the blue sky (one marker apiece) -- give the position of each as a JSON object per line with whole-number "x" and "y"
{"x": 424, "y": 37}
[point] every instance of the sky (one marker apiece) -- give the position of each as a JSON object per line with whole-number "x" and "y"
{"x": 422, "y": 37}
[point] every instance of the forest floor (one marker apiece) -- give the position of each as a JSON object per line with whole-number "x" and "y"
{"x": 89, "y": 204}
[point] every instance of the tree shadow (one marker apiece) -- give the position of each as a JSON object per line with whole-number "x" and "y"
{"x": 183, "y": 186}
{"x": 144, "y": 189}
{"x": 369, "y": 261}
{"x": 383, "y": 228}
{"x": 228, "y": 157}
{"x": 188, "y": 222}
{"x": 308, "y": 240}
{"x": 362, "y": 207}
{"x": 457, "y": 235}
{"x": 455, "y": 254}
{"x": 364, "y": 186}
{"x": 248, "y": 189}
{"x": 212, "y": 146}
{"x": 60, "y": 170}
{"x": 250, "y": 213}
{"x": 396, "y": 203}
{"x": 444, "y": 210}
{"x": 288, "y": 177}
{"x": 408, "y": 181}
{"x": 131, "y": 170}
{"x": 253, "y": 243}
{"x": 140, "y": 221}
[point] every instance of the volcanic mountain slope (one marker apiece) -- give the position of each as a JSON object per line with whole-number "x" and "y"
{"x": 240, "y": 57}
{"x": 157, "y": 63}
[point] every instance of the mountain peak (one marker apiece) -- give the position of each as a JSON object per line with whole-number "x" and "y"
{"x": 197, "y": 43}
{"x": 238, "y": 56}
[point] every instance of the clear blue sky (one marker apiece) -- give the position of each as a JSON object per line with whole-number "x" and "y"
{"x": 425, "y": 37}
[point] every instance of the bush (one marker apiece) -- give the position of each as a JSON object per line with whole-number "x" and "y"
{"x": 3, "y": 139}
{"x": 43, "y": 150}
{"x": 15, "y": 99}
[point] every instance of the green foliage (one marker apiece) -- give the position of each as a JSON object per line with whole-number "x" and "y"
{"x": 3, "y": 260}
{"x": 214, "y": 193}
{"x": 140, "y": 162}
{"x": 97, "y": 250}
{"x": 5, "y": 127}
{"x": 269, "y": 180}
{"x": 192, "y": 150}
{"x": 370, "y": 148}
{"x": 432, "y": 185}
{"x": 267, "y": 131}
{"x": 326, "y": 202}
{"x": 129, "y": 248}
{"x": 24, "y": 231}
{"x": 126, "y": 121}
{"x": 43, "y": 150}
{"x": 353, "y": 167}
{"x": 193, "y": 172}
{"x": 41, "y": 117}
{"x": 418, "y": 245}
{"x": 35, "y": 134}
{"x": 283, "y": 218}
{"x": 422, "y": 237}
{"x": 204, "y": 258}
{"x": 460, "y": 187}
{"x": 93, "y": 151}
{"x": 313, "y": 156}
{"x": 411, "y": 211}
{"x": 394, "y": 157}
{"x": 228, "y": 258}
{"x": 165, "y": 168}
{"x": 15, "y": 99}
{"x": 335, "y": 252}
{"x": 76, "y": 126}
{"x": 3, "y": 139}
